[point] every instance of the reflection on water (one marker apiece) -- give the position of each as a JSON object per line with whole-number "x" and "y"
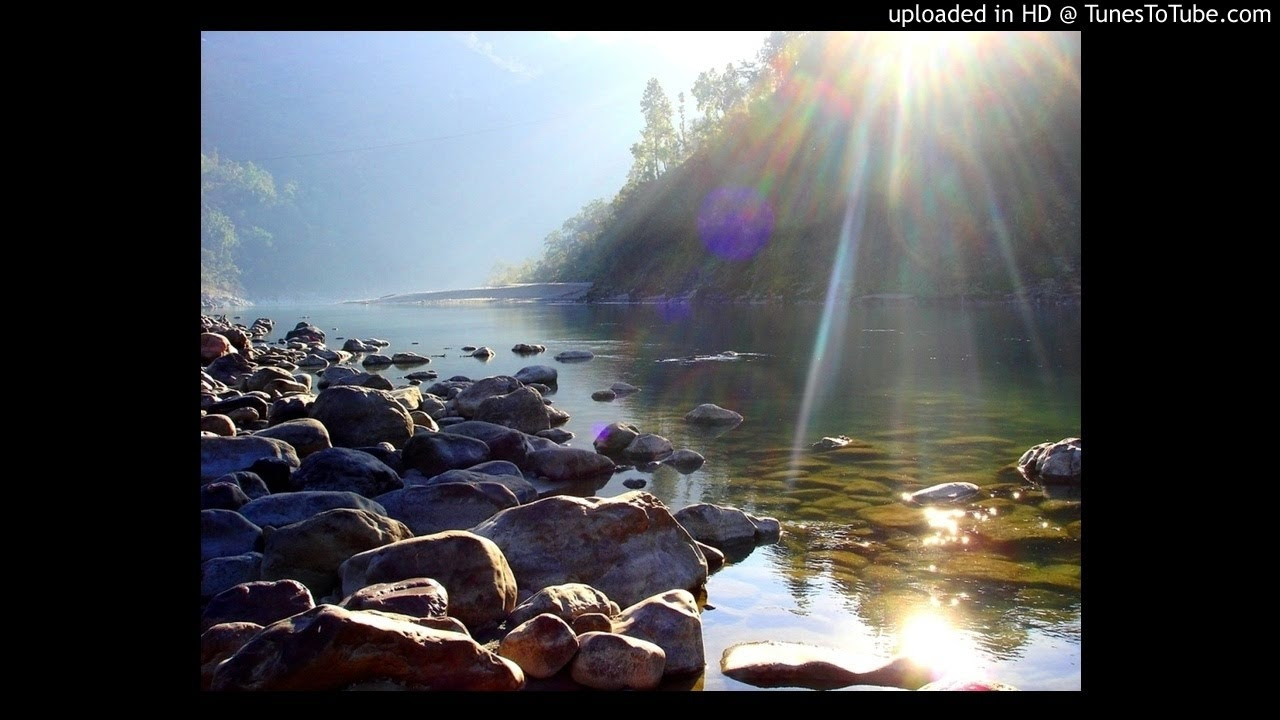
{"x": 927, "y": 395}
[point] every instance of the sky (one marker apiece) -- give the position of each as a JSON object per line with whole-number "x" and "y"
{"x": 440, "y": 153}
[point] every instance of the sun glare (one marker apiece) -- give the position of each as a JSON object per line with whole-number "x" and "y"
{"x": 930, "y": 640}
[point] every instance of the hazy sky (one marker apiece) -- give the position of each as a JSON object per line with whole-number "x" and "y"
{"x": 496, "y": 137}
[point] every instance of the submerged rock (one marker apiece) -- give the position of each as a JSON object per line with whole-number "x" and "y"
{"x": 832, "y": 443}
{"x": 329, "y": 648}
{"x": 575, "y": 355}
{"x": 952, "y": 492}
{"x": 787, "y": 664}
{"x": 711, "y": 414}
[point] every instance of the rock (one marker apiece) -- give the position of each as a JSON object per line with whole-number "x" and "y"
{"x": 307, "y": 436}
{"x": 415, "y": 597}
{"x": 526, "y": 349}
{"x": 359, "y": 416}
{"x": 498, "y": 467}
{"x": 710, "y": 414}
{"x": 434, "y": 453}
{"x": 670, "y": 621}
{"x": 212, "y": 347}
{"x": 277, "y": 388}
{"x": 521, "y": 410}
{"x": 230, "y": 368}
{"x": 522, "y": 489}
{"x": 566, "y": 601}
{"x": 592, "y": 622}
{"x": 287, "y": 508}
{"x": 621, "y": 388}
{"x": 219, "y": 643}
{"x": 289, "y": 408}
{"x": 628, "y": 547}
{"x": 334, "y": 375}
{"x": 249, "y": 482}
{"x": 541, "y": 646}
{"x": 346, "y": 470}
{"x": 685, "y": 461}
{"x": 615, "y": 662}
{"x": 222, "y": 455}
{"x": 575, "y": 355}
{"x": 481, "y": 586}
{"x": 422, "y": 375}
{"x": 257, "y": 602}
{"x": 543, "y": 389}
{"x": 952, "y": 492}
{"x": 409, "y": 397}
{"x": 243, "y": 416}
{"x": 561, "y": 464}
{"x": 556, "y": 416}
{"x": 221, "y": 573}
{"x": 786, "y": 664}
{"x": 447, "y": 389}
{"x": 314, "y": 361}
{"x": 375, "y": 361}
{"x": 222, "y": 496}
{"x": 218, "y": 425}
{"x": 832, "y": 443}
{"x": 431, "y": 405}
{"x": 603, "y": 395}
{"x": 468, "y": 401}
{"x": 306, "y": 333}
{"x": 312, "y": 550}
{"x": 615, "y": 437}
{"x": 635, "y": 483}
{"x": 504, "y": 443}
{"x": 435, "y": 508}
{"x": 555, "y": 435}
{"x": 226, "y": 532}
{"x": 387, "y": 455}
{"x": 483, "y": 352}
{"x": 447, "y": 624}
{"x": 648, "y": 447}
{"x": 715, "y": 558}
{"x": 409, "y": 358}
{"x": 423, "y": 420}
{"x": 1053, "y": 463}
{"x": 717, "y": 526}
{"x": 263, "y": 376}
{"x": 356, "y": 345}
{"x": 365, "y": 380}
{"x": 966, "y": 685}
{"x": 337, "y": 357}
{"x": 330, "y": 648}
{"x": 768, "y": 530}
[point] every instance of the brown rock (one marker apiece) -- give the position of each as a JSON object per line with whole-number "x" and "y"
{"x": 311, "y": 551}
{"x": 219, "y": 643}
{"x": 615, "y": 662}
{"x": 540, "y": 646}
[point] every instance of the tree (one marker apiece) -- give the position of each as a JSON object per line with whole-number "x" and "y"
{"x": 657, "y": 151}
{"x": 231, "y": 195}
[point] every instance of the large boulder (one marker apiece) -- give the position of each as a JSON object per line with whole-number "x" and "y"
{"x": 428, "y": 509}
{"x": 722, "y": 527}
{"x": 230, "y": 368}
{"x": 562, "y": 464}
{"x": 307, "y": 436}
{"x": 330, "y": 648}
{"x": 257, "y": 602}
{"x": 468, "y": 401}
{"x": 311, "y": 551}
{"x": 616, "y": 662}
{"x": 345, "y": 470}
{"x": 220, "y": 573}
{"x": 568, "y": 602}
{"x": 711, "y": 414}
{"x": 481, "y": 586}
{"x": 222, "y": 455}
{"x": 287, "y": 508}
{"x": 227, "y": 532}
{"x": 504, "y": 443}
{"x": 212, "y": 347}
{"x": 415, "y": 597}
{"x": 648, "y": 447}
{"x": 541, "y": 646}
{"x": 290, "y": 408}
{"x": 515, "y": 482}
{"x": 218, "y": 425}
{"x": 1053, "y": 463}
{"x": 670, "y": 621}
{"x": 357, "y": 416}
{"x": 615, "y": 437}
{"x": 522, "y": 410}
{"x": 219, "y": 643}
{"x": 544, "y": 374}
{"x": 432, "y": 453}
{"x": 629, "y": 547}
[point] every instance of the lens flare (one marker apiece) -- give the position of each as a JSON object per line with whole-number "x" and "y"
{"x": 735, "y": 223}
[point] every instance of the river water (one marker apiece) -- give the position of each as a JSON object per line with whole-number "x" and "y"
{"x": 990, "y": 588}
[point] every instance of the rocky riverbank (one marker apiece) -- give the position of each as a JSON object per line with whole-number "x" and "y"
{"x": 439, "y": 535}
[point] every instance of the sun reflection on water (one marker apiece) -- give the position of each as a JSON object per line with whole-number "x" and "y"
{"x": 929, "y": 639}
